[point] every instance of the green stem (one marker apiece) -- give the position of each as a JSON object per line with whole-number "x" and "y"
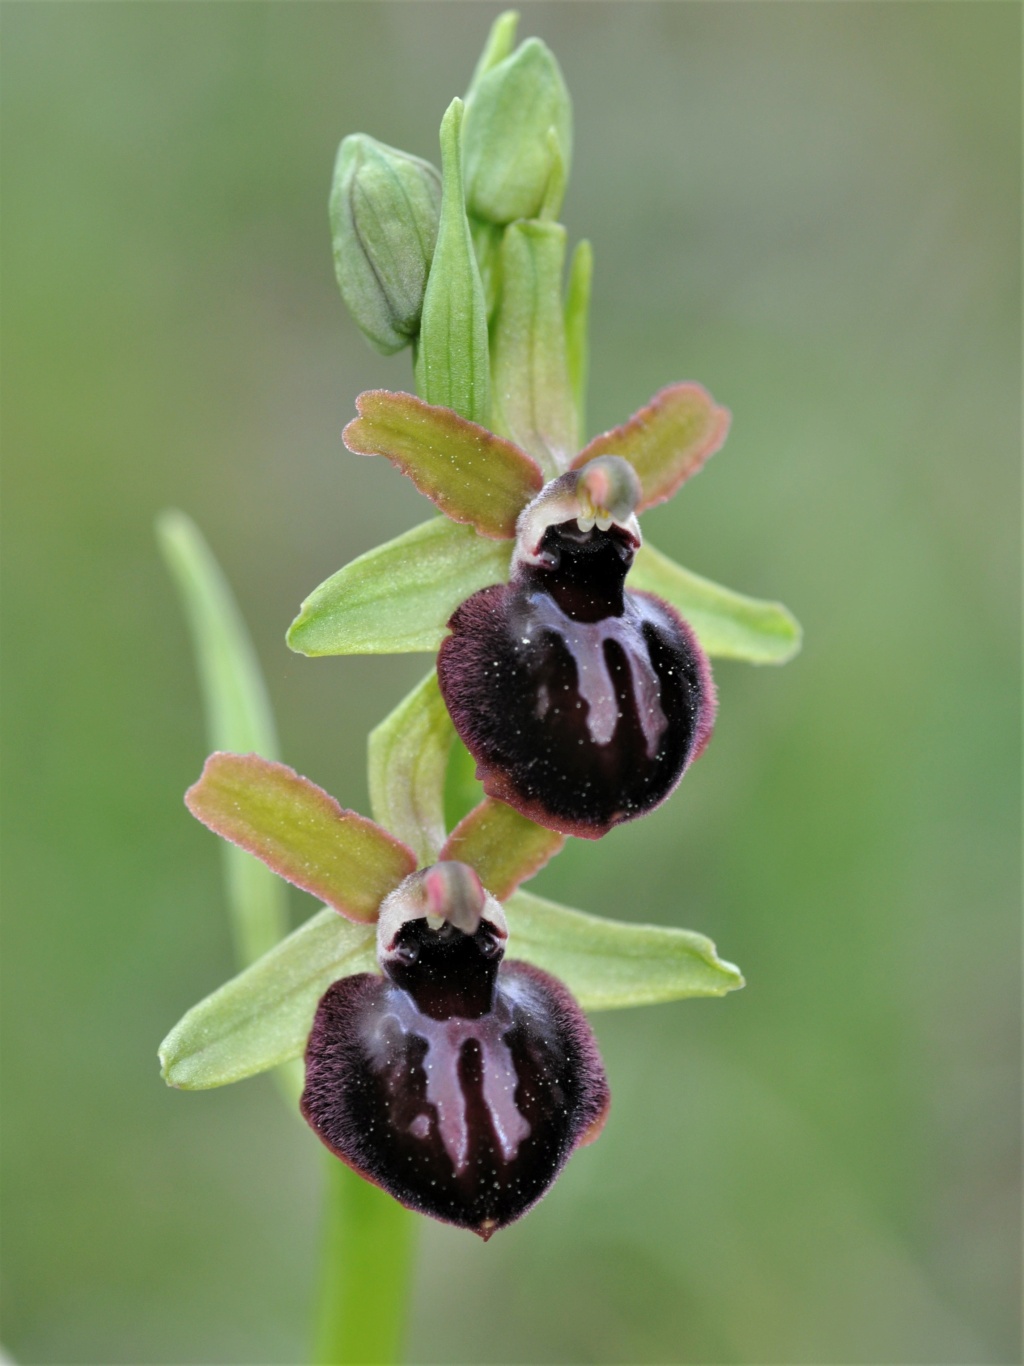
{"x": 366, "y": 1273}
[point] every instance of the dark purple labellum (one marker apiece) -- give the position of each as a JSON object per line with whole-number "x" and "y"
{"x": 457, "y": 1083}
{"x": 581, "y": 703}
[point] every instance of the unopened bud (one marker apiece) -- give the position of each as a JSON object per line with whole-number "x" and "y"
{"x": 384, "y": 207}
{"x": 518, "y": 138}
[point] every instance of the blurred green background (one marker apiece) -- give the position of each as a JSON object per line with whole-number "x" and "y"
{"x": 812, "y": 209}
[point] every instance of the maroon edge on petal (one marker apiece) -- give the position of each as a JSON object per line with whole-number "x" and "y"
{"x": 497, "y": 478}
{"x": 366, "y": 1096}
{"x": 658, "y": 484}
{"x": 497, "y": 785}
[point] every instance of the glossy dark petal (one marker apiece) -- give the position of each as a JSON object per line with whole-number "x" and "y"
{"x": 467, "y": 1119}
{"x": 581, "y": 703}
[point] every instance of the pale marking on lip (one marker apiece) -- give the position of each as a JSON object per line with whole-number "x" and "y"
{"x": 585, "y": 641}
{"x": 445, "y": 1040}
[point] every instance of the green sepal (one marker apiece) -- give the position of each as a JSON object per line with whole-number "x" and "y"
{"x": 263, "y": 1016}
{"x": 301, "y": 832}
{"x": 500, "y": 42}
{"x": 504, "y": 847}
{"x": 487, "y": 245}
{"x": 451, "y": 363}
{"x": 667, "y": 441}
{"x": 513, "y": 168}
{"x": 384, "y": 209}
{"x": 577, "y": 323}
{"x": 238, "y": 716}
{"x": 397, "y": 599}
{"x": 607, "y": 964}
{"x": 533, "y": 402}
{"x": 408, "y": 760}
{"x": 472, "y": 475}
{"x": 558, "y": 180}
{"x": 728, "y": 625}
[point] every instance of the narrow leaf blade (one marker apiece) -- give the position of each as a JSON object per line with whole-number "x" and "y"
{"x": 667, "y": 441}
{"x": 504, "y": 847}
{"x": 408, "y": 761}
{"x": 462, "y": 788}
{"x": 500, "y": 42}
{"x": 532, "y": 398}
{"x": 263, "y": 1016}
{"x": 577, "y": 323}
{"x": 238, "y": 716}
{"x": 452, "y": 363}
{"x": 300, "y": 832}
{"x": 472, "y": 475}
{"x": 398, "y": 598}
{"x": 607, "y": 964}
{"x": 728, "y": 625}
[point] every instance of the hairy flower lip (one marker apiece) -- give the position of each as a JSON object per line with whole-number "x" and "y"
{"x": 457, "y": 1083}
{"x": 500, "y": 785}
{"x": 447, "y": 1142}
{"x": 514, "y": 1080}
{"x": 581, "y": 702}
{"x": 607, "y": 670}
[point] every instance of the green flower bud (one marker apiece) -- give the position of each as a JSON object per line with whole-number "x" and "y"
{"x": 518, "y": 138}
{"x": 384, "y": 207}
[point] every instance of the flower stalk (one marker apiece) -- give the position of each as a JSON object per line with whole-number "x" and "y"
{"x": 367, "y": 1260}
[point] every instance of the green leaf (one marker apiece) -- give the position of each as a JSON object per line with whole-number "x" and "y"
{"x": 728, "y": 625}
{"x": 577, "y": 321}
{"x": 487, "y": 245}
{"x": 558, "y": 178}
{"x": 398, "y": 598}
{"x": 462, "y": 788}
{"x": 408, "y": 761}
{"x": 667, "y": 441}
{"x": 452, "y": 364}
{"x": 610, "y": 963}
{"x": 300, "y": 832}
{"x": 238, "y": 716}
{"x": 263, "y": 1016}
{"x": 504, "y": 847}
{"x": 500, "y": 42}
{"x": 472, "y": 475}
{"x": 533, "y": 402}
